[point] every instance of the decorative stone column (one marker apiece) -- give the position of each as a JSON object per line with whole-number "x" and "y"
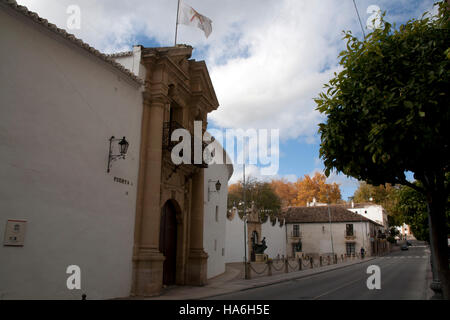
{"x": 147, "y": 259}
{"x": 197, "y": 260}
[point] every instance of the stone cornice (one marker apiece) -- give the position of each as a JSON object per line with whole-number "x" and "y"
{"x": 155, "y": 99}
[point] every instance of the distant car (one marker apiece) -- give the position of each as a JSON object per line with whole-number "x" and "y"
{"x": 408, "y": 243}
{"x": 404, "y": 247}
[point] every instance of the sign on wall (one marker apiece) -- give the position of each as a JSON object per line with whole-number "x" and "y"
{"x": 15, "y": 233}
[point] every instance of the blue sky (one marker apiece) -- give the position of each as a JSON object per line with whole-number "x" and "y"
{"x": 267, "y": 59}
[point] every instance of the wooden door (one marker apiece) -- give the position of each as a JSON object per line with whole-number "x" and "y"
{"x": 168, "y": 242}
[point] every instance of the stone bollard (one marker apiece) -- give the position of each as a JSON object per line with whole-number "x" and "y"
{"x": 286, "y": 270}
{"x": 299, "y": 264}
{"x": 320, "y": 261}
{"x": 269, "y": 267}
{"x": 312, "y": 262}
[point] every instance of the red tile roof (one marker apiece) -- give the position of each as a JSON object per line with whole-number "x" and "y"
{"x": 319, "y": 214}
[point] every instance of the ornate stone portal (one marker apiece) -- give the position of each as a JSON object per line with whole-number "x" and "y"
{"x": 178, "y": 91}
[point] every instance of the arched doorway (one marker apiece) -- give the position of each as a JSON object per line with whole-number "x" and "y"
{"x": 168, "y": 242}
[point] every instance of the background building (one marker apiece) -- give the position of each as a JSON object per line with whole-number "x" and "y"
{"x": 338, "y": 231}
{"x": 372, "y": 211}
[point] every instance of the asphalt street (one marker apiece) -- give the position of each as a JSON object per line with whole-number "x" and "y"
{"x": 403, "y": 277}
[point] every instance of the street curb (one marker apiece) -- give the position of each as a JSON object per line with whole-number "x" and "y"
{"x": 281, "y": 281}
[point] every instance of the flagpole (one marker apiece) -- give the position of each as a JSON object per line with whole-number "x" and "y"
{"x": 176, "y": 27}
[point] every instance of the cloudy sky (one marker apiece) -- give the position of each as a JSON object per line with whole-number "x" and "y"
{"x": 267, "y": 59}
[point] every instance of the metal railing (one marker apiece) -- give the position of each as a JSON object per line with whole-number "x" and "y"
{"x": 287, "y": 265}
{"x": 349, "y": 234}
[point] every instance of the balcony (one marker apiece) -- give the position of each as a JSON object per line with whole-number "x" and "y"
{"x": 349, "y": 235}
{"x": 168, "y": 129}
{"x": 167, "y": 144}
{"x": 296, "y": 235}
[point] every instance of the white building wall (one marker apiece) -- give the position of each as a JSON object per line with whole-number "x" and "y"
{"x": 374, "y": 212}
{"x": 133, "y": 62}
{"x": 234, "y": 240}
{"x": 275, "y": 239}
{"x": 316, "y": 237}
{"x": 214, "y": 225}
{"x": 59, "y": 106}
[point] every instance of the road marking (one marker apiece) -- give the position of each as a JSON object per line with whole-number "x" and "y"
{"x": 335, "y": 289}
{"x": 348, "y": 283}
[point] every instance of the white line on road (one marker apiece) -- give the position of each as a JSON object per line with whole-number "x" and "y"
{"x": 347, "y": 284}
{"x": 335, "y": 289}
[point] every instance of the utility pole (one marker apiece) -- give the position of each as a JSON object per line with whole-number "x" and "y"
{"x": 329, "y": 218}
{"x": 245, "y": 223}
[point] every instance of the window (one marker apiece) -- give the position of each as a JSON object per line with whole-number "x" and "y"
{"x": 217, "y": 213}
{"x": 296, "y": 230}
{"x": 350, "y": 246}
{"x": 349, "y": 230}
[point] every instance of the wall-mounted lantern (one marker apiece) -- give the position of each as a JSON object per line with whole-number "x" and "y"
{"x": 123, "y": 148}
{"x": 218, "y": 185}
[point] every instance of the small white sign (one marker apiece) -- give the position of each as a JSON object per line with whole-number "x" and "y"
{"x": 15, "y": 233}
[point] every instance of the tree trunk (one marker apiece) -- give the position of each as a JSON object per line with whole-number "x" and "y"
{"x": 437, "y": 202}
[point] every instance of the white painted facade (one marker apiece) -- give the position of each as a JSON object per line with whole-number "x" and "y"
{"x": 373, "y": 212}
{"x": 275, "y": 235}
{"x": 235, "y": 249}
{"x": 132, "y": 61}
{"x": 60, "y": 104}
{"x": 275, "y": 238}
{"x": 317, "y": 239}
{"x": 215, "y": 216}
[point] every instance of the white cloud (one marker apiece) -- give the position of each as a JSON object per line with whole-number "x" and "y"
{"x": 267, "y": 59}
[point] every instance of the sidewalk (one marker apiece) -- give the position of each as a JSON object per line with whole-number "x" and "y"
{"x": 232, "y": 281}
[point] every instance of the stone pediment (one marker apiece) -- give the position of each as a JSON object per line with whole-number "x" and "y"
{"x": 185, "y": 80}
{"x": 202, "y": 89}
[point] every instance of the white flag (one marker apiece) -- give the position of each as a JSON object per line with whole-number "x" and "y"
{"x": 188, "y": 16}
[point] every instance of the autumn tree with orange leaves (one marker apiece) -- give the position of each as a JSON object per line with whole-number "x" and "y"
{"x": 316, "y": 187}
{"x": 286, "y": 191}
{"x": 294, "y": 194}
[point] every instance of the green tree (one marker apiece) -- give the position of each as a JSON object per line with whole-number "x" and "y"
{"x": 388, "y": 113}
{"x": 385, "y": 195}
{"x": 257, "y": 193}
{"x": 411, "y": 206}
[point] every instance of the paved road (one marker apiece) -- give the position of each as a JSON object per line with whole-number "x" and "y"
{"x": 403, "y": 276}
